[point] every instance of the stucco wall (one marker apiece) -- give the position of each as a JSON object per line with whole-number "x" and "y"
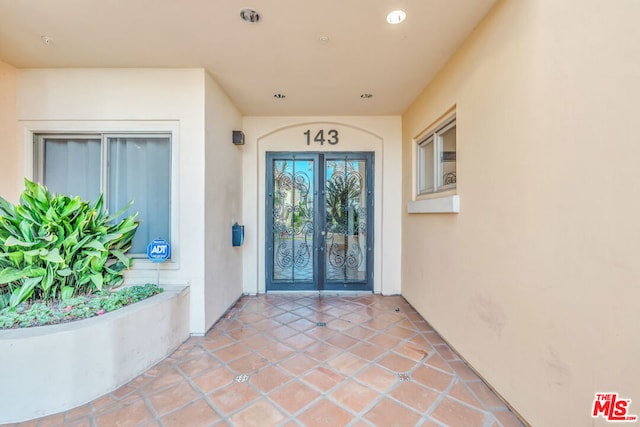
{"x": 74, "y": 100}
{"x": 380, "y": 135}
{"x": 535, "y": 281}
{"x": 11, "y": 157}
{"x": 223, "y": 203}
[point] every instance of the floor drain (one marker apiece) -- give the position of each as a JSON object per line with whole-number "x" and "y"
{"x": 404, "y": 377}
{"x": 242, "y": 378}
{"x": 321, "y": 324}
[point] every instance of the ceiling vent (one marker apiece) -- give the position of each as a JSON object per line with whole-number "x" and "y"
{"x": 249, "y": 15}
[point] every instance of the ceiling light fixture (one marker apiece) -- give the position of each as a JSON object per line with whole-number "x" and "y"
{"x": 396, "y": 17}
{"x": 249, "y": 15}
{"x": 366, "y": 96}
{"x": 279, "y": 96}
{"x": 324, "y": 39}
{"x": 46, "y": 40}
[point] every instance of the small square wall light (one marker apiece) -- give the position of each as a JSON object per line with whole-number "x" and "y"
{"x": 238, "y": 137}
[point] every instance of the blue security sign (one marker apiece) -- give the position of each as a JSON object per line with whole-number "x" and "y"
{"x": 158, "y": 250}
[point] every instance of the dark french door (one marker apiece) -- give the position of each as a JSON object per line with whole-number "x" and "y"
{"x": 319, "y": 222}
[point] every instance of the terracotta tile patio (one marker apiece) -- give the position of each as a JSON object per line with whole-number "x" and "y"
{"x": 299, "y": 360}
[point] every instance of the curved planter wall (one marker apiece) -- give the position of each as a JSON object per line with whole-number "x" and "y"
{"x": 48, "y": 369}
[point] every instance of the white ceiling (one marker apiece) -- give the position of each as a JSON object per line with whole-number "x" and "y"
{"x": 282, "y": 53}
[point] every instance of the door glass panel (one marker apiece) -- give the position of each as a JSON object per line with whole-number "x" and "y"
{"x": 293, "y": 220}
{"x": 345, "y": 220}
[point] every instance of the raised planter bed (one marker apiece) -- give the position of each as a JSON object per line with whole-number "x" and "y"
{"x": 49, "y": 369}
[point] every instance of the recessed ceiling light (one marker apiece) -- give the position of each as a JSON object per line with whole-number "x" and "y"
{"x": 279, "y": 96}
{"x": 249, "y": 15}
{"x": 46, "y": 40}
{"x": 324, "y": 39}
{"x": 366, "y": 96}
{"x": 396, "y": 17}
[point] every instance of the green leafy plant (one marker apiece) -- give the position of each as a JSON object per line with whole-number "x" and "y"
{"x": 38, "y": 314}
{"x": 343, "y": 192}
{"x": 54, "y": 247}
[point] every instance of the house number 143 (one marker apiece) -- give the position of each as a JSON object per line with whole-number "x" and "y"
{"x": 331, "y": 138}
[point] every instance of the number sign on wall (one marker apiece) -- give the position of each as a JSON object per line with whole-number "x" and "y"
{"x": 322, "y": 136}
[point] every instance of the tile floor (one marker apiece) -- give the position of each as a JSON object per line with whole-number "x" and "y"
{"x": 296, "y": 360}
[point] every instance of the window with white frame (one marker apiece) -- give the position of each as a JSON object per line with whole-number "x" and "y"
{"x": 123, "y": 167}
{"x": 436, "y": 159}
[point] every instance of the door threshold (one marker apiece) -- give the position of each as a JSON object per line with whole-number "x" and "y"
{"x": 320, "y": 293}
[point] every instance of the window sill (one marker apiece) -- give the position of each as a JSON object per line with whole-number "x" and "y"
{"x": 147, "y": 264}
{"x": 444, "y": 204}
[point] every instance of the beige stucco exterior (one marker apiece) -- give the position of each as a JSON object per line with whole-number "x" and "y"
{"x": 188, "y": 104}
{"x": 223, "y": 204}
{"x": 11, "y": 158}
{"x": 379, "y": 135}
{"x": 535, "y": 280}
